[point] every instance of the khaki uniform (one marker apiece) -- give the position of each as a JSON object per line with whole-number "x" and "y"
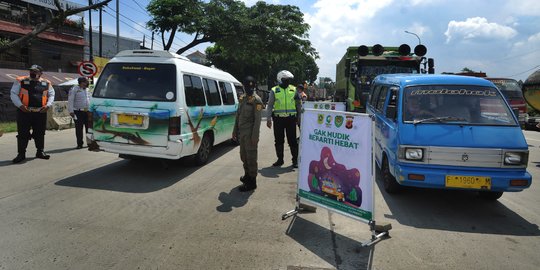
{"x": 247, "y": 129}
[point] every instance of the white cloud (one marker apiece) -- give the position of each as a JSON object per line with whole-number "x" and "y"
{"x": 523, "y": 7}
{"x": 478, "y": 28}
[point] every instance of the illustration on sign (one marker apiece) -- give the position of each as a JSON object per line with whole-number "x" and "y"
{"x": 328, "y": 178}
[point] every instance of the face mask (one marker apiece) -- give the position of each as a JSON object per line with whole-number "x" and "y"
{"x": 33, "y": 75}
{"x": 285, "y": 83}
{"x": 249, "y": 91}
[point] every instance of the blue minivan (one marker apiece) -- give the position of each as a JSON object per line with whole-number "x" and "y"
{"x": 448, "y": 132}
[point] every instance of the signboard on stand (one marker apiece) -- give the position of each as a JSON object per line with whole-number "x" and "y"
{"x": 335, "y": 169}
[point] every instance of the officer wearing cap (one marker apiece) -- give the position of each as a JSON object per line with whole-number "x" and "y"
{"x": 78, "y": 101}
{"x": 246, "y": 132}
{"x": 33, "y": 96}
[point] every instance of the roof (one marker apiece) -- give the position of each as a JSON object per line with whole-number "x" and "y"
{"x": 23, "y": 30}
{"x": 419, "y": 79}
{"x": 56, "y": 78}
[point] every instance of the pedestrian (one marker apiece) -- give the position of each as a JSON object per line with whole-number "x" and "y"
{"x": 33, "y": 96}
{"x": 282, "y": 110}
{"x": 78, "y": 101}
{"x": 246, "y": 131}
{"x": 299, "y": 98}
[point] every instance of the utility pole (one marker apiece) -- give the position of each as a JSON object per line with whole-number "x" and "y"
{"x": 117, "y": 26}
{"x": 152, "y": 44}
{"x": 90, "y": 35}
{"x": 100, "y": 31}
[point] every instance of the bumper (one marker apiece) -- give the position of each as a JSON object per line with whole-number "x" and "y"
{"x": 173, "y": 150}
{"x": 436, "y": 177}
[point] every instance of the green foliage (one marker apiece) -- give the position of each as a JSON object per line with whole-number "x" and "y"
{"x": 6, "y": 127}
{"x": 258, "y": 40}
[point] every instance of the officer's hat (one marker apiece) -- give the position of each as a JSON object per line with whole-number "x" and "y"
{"x": 36, "y": 68}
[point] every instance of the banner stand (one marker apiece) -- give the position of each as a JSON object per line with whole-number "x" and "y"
{"x": 328, "y": 176}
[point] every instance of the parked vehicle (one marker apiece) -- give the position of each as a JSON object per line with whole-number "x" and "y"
{"x": 448, "y": 132}
{"x": 359, "y": 66}
{"x": 512, "y": 92}
{"x": 159, "y": 104}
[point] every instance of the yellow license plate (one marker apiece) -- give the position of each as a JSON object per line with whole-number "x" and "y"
{"x": 130, "y": 119}
{"x": 473, "y": 182}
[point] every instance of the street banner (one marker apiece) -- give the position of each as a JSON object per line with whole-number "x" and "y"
{"x": 335, "y": 169}
{"x": 324, "y": 105}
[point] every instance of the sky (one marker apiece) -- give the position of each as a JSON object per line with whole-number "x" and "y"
{"x": 498, "y": 37}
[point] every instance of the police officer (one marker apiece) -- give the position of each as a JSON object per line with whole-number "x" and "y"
{"x": 78, "y": 101}
{"x": 33, "y": 96}
{"x": 283, "y": 111}
{"x": 246, "y": 132}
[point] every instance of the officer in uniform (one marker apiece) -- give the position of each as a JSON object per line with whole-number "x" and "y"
{"x": 246, "y": 132}
{"x": 78, "y": 102}
{"x": 282, "y": 109}
{"x": 33, "y": 96}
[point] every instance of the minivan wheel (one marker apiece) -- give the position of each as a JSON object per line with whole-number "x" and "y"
{"x": 490, "y": 195}
{"x": 204, "y": 150}
{"x": 389, "y": 181}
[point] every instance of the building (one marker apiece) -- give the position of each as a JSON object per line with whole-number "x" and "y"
{"x": 198, "y": 57}
{"x": 108, "y": 44}
{"x": 58, "y": 50}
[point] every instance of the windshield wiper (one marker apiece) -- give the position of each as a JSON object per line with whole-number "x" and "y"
{"x": 439, "y": 119}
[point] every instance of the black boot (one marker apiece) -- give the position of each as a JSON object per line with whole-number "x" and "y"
{"x": 20, "y": 157}
{"x": 278, "y": 163}
{"x": 295, "y": 163}
{"x": 42, "y": 155}
{"x": 249, "y": 184}
{"x": 244, "y": 178}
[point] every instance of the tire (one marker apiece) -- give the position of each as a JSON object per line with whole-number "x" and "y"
{"x": 389, "y": 181}
{"x": 204, "y": 150}
{"x": 128, "y": 157}
{"x": 490, "y": 195}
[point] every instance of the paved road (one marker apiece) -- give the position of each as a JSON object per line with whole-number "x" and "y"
{"x": 85, "y": 210}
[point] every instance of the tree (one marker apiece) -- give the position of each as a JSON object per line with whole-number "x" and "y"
{"x": 56, "y": 20}
{"x": 208, "y": 22}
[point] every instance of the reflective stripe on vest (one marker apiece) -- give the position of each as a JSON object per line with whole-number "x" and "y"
{"x": 24, "y": 95}
{"x": 284, "y": 104}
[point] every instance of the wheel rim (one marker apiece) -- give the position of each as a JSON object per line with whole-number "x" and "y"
{"x": 205, "y": 149}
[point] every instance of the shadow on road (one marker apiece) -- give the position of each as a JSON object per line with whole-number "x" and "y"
{"x": 455, "y": 210}
{"x": 340, "y": 251}
{"x": 274, "y": 172}
{"x": 141, "y": 175}
{"x": 232, "y": 199}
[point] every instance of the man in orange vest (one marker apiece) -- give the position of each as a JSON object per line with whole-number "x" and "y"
{"x": 33, "y": 96}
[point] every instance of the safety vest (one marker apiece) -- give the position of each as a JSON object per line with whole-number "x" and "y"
{"x": 33, "y": 100}
{"x": 284, "y": 104}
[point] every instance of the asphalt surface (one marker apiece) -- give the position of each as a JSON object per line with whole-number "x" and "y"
{"x": 87, "y": 210}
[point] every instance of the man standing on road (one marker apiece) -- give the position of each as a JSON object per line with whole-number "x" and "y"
{"x": 282, "y": 110}
{"x": 78, "y": 100}
{"x": 246, "y": 132}
{"x": 33, "y": 96}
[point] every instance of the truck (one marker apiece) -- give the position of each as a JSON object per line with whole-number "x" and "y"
{"x": 360, "y": 64}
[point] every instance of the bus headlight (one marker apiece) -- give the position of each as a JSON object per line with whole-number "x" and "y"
{"x": 414, "y": 153}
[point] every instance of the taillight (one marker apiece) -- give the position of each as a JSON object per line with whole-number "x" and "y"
{"x": 174, "y": 125}
{"x": 90, "y": 120}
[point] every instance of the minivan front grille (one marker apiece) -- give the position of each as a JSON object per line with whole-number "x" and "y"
{"x": 460, "y": 156}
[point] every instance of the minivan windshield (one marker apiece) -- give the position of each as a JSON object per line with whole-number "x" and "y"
{"x": 137, "y": 81}
{"x": 455, "y": 104}
{"x": 509, "y": 87}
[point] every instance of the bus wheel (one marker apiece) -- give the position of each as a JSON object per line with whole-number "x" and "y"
{"x": 204, "y": 150}
{"x": 490, "y": 195}
{"x": 389, "y": 181}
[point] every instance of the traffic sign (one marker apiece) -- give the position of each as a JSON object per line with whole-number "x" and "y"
{"x": 87, "y": 69}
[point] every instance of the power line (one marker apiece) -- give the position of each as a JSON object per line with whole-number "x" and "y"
{"x": 112, "y": 10}
{"x": 524, "y": 71}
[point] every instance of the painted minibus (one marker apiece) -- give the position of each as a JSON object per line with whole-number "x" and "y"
{"x": 447, "y": 132}
{"x": 160, "y": 104}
